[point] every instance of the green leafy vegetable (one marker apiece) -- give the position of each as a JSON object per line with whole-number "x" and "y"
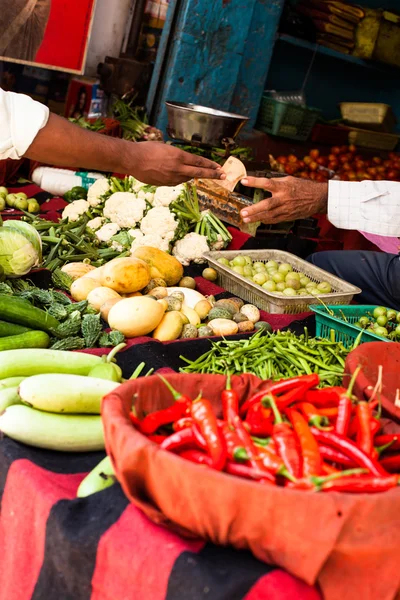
{"x": 113, "y": 338}
{"x": 70, "y": 327}
{"x": 61, "y": 280}
{"x": 69, "y": 343}
{"x": 58, "y": 311}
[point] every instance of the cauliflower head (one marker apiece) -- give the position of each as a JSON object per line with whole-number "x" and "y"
{"x": 96, "y": 191}
{"x": 219, "y": 243}
{"x": 191, "y": 248}
{"x": 148, "y": 196}
{"x": 165, "y": 195}
{"x": 76, "y": 209}
{"x": 135, "y": 234}
{"x": 105, "y": 233}
{"x": 153, "y": 240}
{"x": 124, "y": 208}
{"x": 95, "y": 223}
{"x": 160, "y": 220}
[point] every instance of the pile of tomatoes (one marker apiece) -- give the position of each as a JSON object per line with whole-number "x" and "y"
{"x": 344, "y": 162}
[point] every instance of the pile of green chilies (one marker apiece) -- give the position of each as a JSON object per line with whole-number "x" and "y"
{"x": 274, "y": 356}
{"x": 68, "y": 242}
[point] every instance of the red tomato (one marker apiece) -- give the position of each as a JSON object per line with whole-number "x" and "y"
{"x": 344, "y": 177}
{"x": 381, "y": 169}
{"x": 322, "y": 160}
{"x": 387, "y": 164}
{"x": 292, "y": 158}
{"x": 303, "y": 175}
{"x": 282, "y": 160}
{"x": 379, "y": 178}
{"x": 301, "y": 164}
{"x": 346, "y": 166}
{"x": 351, "y": 175}
{"x": 314, "y": 154}
{"x": 372, "y": 171}
{"x": 359, "y": 164}
{"x": 393, "y": 174}
{"x": 377, "y": 160}
{"x": 290, "y": 169}
{"x": 343, "y": 158}
{"x": 333, "y": 165}
{"x": 307, "y": 160}
{"x": 352, "y": 148}
{"x": 313, "y": 166}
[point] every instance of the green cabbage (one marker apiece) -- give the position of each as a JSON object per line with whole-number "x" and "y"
{"x": 18, "y": 255}
{"x": 29, "y": 232}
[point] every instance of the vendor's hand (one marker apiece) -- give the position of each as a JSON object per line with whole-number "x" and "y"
{"x": 162, "y": 164}
{"x": 292, "y": 199}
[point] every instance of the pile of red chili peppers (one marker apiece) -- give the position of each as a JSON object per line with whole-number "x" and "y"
{"x": 288, "y": 434}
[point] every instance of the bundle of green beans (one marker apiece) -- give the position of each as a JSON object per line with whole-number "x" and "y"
{"x": 274, "y": 356}
{"x": 65, "y": 242}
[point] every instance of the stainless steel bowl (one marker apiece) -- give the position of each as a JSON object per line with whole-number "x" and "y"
{"x": 202, "y": 126}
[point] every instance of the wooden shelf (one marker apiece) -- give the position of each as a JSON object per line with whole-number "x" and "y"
{"x": 289, "y": 39}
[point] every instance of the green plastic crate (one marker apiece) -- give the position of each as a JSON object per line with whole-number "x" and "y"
{"x": 344, "y": 332}
{"x": 285, "y": 119}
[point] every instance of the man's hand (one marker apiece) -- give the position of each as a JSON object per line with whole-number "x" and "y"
{"x": 292, "y": 199}
{"x": 162, "y": 164}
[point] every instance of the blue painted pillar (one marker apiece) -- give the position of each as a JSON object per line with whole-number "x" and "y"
{"x": 206, "y": 55}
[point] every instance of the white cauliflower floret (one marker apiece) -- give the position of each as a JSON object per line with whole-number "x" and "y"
{"x": 105, "y": 233}
{"x": 76, "y": 209}
{"x": 95, "y": 223}
{"x": 153, "y": 240}
{"x": 165, "y": 195}
{"x": 136, "y": 185}
{"x": 148, "y": 196}
{"x": 135, "y": 234}
{"x": 117, "y": 246}
{"x": 191, "y": 249}
{"x": 96, "y": 191}
{"x": 125, "y": 209}
{"x": 159, "y": 220}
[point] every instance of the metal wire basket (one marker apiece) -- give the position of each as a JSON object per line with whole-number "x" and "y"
{"x": 270, "y": 302}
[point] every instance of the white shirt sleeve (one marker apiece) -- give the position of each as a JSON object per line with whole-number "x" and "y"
{"x": 21, "y": 119}
{"x": 370, "y": 206}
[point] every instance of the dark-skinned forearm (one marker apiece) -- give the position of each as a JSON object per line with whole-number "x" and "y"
{"x": 61, "y": 143}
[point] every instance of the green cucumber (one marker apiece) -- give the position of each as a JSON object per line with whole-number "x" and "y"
{"x": 30, "y": 339}
{"x": 17, "y": 310}
{"x": 10, "y": 382}
{"x": 11, "y": 329}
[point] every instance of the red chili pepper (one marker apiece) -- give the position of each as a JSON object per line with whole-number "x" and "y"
{"x": 350, "y": 449}
{"x": 361, "y": 484}
{"x": 135, "y": 421}
{"x": 353, "y": 428}
{"x": 392, "y": 438}
{"x": 235, "y": 451}
{"x": 335, "y": 456}
{"x": 206, "y": 421}
{"x": 248, "y": 472}
{"x": 391, "y": 463}
{"x": 280, "y": 387}
{"x": 230, "y": 402}
{"x": 248, "y": 445}
{"x": 331, "y": 413}
{"x": 180, "y": 439}
{"x": 272, "y": 462}
{"x": 313, "y": 416}
{"x": 153, "y": 421}
{"x": 286, "y": 442}
{"x": 312, "y": 461}
{"x": 157, "y": 439}
{"x": 295, "y": 395}
{"x": 328, "y": 397}
{"x": 328, "y": 469}
{"x": 345, "y": 407}
{"x": 364, "y": 434}
{"x": 375, "y": 427}
{"x": 173, "y": 413}
{"x": 259, "y": 420}
{"x": 201, "y": 442}
{"x": 183, "y": 423}
{"x": 197, "y": 457}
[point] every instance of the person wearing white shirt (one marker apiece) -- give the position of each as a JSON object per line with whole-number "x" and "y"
{"x": 28, "y": 129}
{"x": 368, "y": 206}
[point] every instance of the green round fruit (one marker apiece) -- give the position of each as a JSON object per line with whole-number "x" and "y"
{"x": 223, "y": 261}
{"x": 239, "y": 261}
{"x": 280, "y": 286}
{"x": 397, "y": 331}
{"x": 379, "y": 311}
{"x": 289, "y": 292}
{"x": 304, "y": 281}
{"x": 391, "y": 315}
{"x": 247, "y": 260}
{"x": 398, "y": 317}
{"x": 285, "y": 268}
{"x": 382, "y": 331}
{"x": 278, "y": 277}
{"x": 248, "y": 271}
{"x": 258, "y": 265}
{"x": 238, "y": 269}
{"x": 382, "y": 321}
{"x": 271, "y": 264}
{"x": 270, "y": 286}
{"x": 260, "y": 278}
{"x": 210, "y": 274}
{"x": 364, "y": 321}
{"x": 324, "y": 287}
{"x": 263, "y": 325}
{"x": 292, "y": 282}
